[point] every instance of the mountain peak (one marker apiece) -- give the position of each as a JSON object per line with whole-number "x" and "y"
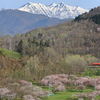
{"x": 53, "y": 4}
{"x": 62, "y": 3}
{"x": 61, "y": 10}
{"x": 29, "y": 3}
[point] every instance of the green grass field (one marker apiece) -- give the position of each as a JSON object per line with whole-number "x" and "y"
{"x": 11, "y": 54}
{"x": 61, "y": 96}
{"x": 67, "y": 95}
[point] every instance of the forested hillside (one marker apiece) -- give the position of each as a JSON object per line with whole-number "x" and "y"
{"x": 65, "y": 52}
{"x": 66, "y": 48}
{"x": 93, "y": 15}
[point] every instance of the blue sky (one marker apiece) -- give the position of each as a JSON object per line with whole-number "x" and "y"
{"x": 14, "y": 4}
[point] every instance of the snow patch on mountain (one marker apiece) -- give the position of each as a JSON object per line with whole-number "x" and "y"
{"x": 61, "y": 11}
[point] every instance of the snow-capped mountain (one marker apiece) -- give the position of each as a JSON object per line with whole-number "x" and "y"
{"x": 61, "y": 11}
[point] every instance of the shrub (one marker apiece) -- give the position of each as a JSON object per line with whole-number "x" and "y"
{"x": 60, "y": 88}
{"x": 80, "y": 87}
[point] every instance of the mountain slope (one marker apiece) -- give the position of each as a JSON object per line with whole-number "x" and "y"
{"x": 15, "y": 21}
{"x": 93, "y": 15}
{"x": 50, "y": 50}
{"x": 61, "y": 11}
{"x": 75, "y": 37}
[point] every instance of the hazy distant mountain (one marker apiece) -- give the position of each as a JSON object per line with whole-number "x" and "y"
{"x": 15, "y": 21}
{"x": 61, "y": 11}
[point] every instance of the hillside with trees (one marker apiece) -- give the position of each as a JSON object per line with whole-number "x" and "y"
{"x": 94, "y": 15}
{"x": 50, "y": 47}
{"x": 65, "y": 48}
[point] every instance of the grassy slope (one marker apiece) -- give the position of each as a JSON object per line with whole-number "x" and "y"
{"x": 11, "y": 54}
